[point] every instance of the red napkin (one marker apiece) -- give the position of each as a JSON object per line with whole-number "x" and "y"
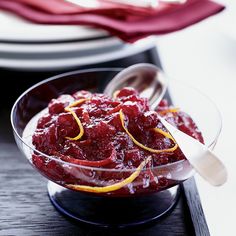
{"x": 105, "y": 8}
{"x": 129, "y": 23}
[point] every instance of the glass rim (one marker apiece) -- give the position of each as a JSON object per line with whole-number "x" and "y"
{"x": 111, "y": 69}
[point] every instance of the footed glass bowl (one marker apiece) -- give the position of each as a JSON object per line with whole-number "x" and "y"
{"x": 105, "y": 208}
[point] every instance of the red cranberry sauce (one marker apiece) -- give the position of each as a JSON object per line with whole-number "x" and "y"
{"x": 105, "y": 143}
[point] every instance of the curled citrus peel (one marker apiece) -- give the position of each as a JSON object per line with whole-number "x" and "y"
{"x": 77, "y": 161}
{"x": 112, "y": 187}
{"x": 114, "y": 95}
{"x": 68, "y": 108}
{"x": 170, "y": 110}
{"x": 166, "y": 134}
{"x": 77, "y": 102}
{"x": 143, "y": 146}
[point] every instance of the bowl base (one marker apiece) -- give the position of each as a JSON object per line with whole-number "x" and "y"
{"x": 112, "y": 212}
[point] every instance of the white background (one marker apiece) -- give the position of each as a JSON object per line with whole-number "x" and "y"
{"x": 204, "y": 55}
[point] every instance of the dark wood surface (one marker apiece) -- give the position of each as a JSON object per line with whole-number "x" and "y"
{"x": 195, "y": 208}
{"x": 25, "y": 208}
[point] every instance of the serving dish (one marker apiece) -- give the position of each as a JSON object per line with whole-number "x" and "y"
{"x": 87, "y": 207}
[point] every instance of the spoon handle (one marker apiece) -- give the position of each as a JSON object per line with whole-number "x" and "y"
{"x": 204, "y": 161}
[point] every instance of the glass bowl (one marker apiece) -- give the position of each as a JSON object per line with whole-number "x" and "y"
{"x": 137, "y": 203}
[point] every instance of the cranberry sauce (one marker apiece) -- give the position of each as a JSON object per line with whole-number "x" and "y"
{"x": 96, "y": 131}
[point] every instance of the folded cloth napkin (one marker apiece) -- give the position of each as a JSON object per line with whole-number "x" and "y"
{"x": 126, "y": 22}
{"x": 104, "y": 7}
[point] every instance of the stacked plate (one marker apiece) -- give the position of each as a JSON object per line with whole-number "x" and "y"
{"x": 34, "y": 47}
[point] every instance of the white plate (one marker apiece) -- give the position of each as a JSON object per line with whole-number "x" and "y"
{"x": 77, "y": 59}
{"x": 15, "y": 29}
{"x": 55, "y": 48}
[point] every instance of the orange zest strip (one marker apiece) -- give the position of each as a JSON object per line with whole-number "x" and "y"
{"x": 115, "y": 93}
{"x": 170, "y": 110}
{"x": 81, "y": 132}
{"x": 166, "y": 134}
{"x": 140, "y": 144}
{"x": 112, "y": 187}
{"x": 78, "y": 102}
{"x": 68, "y": 108}
{"x": 76, "y": 161}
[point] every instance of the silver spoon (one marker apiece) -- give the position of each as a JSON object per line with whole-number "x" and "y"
{"x": 150, "y": 82}
{"x": 146, "y": 78}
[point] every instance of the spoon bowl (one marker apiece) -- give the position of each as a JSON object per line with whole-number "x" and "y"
{"x": 146, "y": 78}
